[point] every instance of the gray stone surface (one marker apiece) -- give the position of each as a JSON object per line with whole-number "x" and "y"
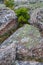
{"x": 24, "y": 44}
{"x": 37, "y": 18}
{"x": 27, "y": 34}
{"x": 28, "y": 63}
{"x": 8, "y": 54}
{"x": 6, "y": 16}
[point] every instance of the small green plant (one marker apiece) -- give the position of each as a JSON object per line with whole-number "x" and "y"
{"x": 23, "y": 16}
{"x": 9, "y": 3}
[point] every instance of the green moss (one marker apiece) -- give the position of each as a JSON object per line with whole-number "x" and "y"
{"x": 9, "y": 3}
{"x": 23, "y": 16}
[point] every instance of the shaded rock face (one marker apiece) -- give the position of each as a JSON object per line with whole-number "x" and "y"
{"x": 7, "y": 19}
{"x": 35, "y": 52}
{"x": 28, "y": 45}
{"x": 37, "y": 18}
{"x": 28, "y": 54}
{"x": 1, "y": 1}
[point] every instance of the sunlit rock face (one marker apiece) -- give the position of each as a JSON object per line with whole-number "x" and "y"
{"x": 27, "y": 35}
{"x": 31, "y": 1}
{"x": 7, "y": 19}
{"x": 35, "y": 1}
{"x": 37, "y": 18}
{"x": 28, "y": 63}
{"x": 29, "y": 44}
{"x": 20, "y": 1}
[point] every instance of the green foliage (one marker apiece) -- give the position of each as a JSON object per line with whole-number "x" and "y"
{"x": 9, "y": 3}
{"x": 23, "y": 16}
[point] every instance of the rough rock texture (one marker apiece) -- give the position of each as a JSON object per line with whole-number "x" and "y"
{"x": 7, "y": 19}
{"x": 29, "y": 45}
{"x": 27, "y": 35}
{"x": 37, "y": 18}
{"x": 28, "y": 63}
{"x": 33, "y": 53}
{"x": 8, "y": 54}
{"x": 35, "y": 1}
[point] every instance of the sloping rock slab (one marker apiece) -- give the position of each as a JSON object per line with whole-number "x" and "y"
{"x": 27, "y": 35}
{"x": 8, "y": 20}
{"x": 29, "y": 44}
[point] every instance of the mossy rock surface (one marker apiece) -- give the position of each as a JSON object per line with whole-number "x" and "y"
{"x": 29, "y": 35}
{"x": 29, "y": 44}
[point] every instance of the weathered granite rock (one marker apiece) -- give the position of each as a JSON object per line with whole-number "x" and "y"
{"x": 35, "y": 53}
{"x": 35, "y": 1}
{"x": 8, "y": 20}
{"x": 8, "y": 54}
{"x": 28, "y": 63}
{"x": 29, "y": 44}
{"x": 27, "y": 35}
{"x": 37, "y": 18}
